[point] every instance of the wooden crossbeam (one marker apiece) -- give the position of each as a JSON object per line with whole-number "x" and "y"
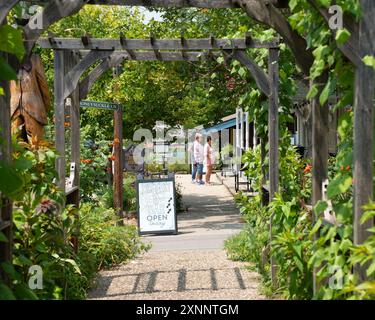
{"x": 72, "y": 77}
{"x": 118, "y": 57}
{"x": 170, "y": 3}
{"x": 5, "y": 7}
{"x": 209, "y": 4}
{"x": 155, "y": 44}
{"x": 164, "y": 56}
{"x": 156, "y": 51}
{"x": 123, "y": 43}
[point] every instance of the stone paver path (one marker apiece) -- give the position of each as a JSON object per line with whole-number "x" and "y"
{"x": 192, "y": 264}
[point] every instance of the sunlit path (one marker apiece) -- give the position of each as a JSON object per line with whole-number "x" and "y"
{"x": 191, "y": 265}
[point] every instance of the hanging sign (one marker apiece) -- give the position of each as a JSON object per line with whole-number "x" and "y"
{"x": 100, "y": 105}
{"x": 156, "y": 206}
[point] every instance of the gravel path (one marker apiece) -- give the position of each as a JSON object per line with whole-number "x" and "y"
{"x": 191, "y": 265}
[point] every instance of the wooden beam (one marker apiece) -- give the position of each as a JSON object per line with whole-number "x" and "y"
{"x": 117, "y": 58}
{"x": 258, "y": 74}
{"x": 273, "y": 138}
{"x": 165, "y": 56}
{"x": 60, "y": 117}
{"x": 5, "y": 7}
{"x": 209, "y": 4}
{"x": 267, "y": 13}
{"x": 154, "y": 44}
{"x": 170, "y": 3}
{"x": 113, "y": 61}
{"x": 364, "y": 128}
{"x": 52, "y": 12}
{"x": 71, "y": 79}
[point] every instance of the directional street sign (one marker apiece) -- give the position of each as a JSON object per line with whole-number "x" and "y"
{"x": 100, "y": 105}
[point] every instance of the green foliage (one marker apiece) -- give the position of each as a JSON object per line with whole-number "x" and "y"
{"x": 292, "y": 244}
{"x": 44, "y": 233}
{"x": 369, "y": 61}
{"x": 11, "y": 43}
{"x": 104, "y": 240}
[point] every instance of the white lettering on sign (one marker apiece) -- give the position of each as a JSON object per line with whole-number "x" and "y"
{"x": 100, "y": 105}
{"x": 156, "y": 206}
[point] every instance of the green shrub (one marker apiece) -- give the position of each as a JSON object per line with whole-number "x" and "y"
{"x": 44, "y": 232}
{"x": 103, "y": 244}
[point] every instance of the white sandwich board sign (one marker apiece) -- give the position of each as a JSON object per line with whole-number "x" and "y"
{"x": 156, "y": 206}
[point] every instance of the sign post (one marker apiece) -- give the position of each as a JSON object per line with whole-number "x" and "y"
{"x": 156, "y": 206}
{"x": 118, "y": 174}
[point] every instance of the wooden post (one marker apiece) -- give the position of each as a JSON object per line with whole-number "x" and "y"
{"x": 363, "y": 127}
{"x": 263, "y": 143}
{"x": 60, "y": 117}
{"x": 70, "y": 61}
{"x": 118, "y": 174}
{"x": 320, "y": 129}
{"x": 6, "y": 219}
{"x": 273, "y": 138}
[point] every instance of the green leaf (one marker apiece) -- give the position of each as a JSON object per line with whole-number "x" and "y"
{"x": 338, "y": 185}
{"x": 293, "y": 4}
{"x": 369, "y": 61}
{"x": 3, "y": 238}
{"x": 242, "y": 72}
{"x": 371, "y": 268}
{"x": 24, "y": 292}
{"x": 320, "y": 52}
{"x": 11, "y": 41}
{"x": 327, "y": 91}
{"x": 367, "y": 215}
{"x": 342, "y": 36}
{"x": 9, "y": 269}
{"x": 220, "y": 60}
{"x": 23, "y": 164}
{"x": 74, "y": 264}
{"x": 10, "y": 182}
{"x": 7, "y": 73}
{"x": 312, "y": 92}
{"x": 6, "y": 293}
{"x": 315, "y": 228}
{"x": 325, "y": 3}
{"x": 320, "y": 206}
{"x": 22, "y": 261}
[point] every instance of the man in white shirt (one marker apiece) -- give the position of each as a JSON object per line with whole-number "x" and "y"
{"x": 198, "y": 152}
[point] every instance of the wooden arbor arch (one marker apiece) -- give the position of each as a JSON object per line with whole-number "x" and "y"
{"x": 73, "y": 57}
{"x": 360, "y": 43}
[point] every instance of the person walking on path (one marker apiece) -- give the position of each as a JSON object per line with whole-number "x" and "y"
{"x": 209, "y": 159}
{"x": 198, "y": 152}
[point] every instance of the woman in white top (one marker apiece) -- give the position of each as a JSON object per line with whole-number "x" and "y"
{"x": 198, "y": 158}
{"x": 209, "y": 159}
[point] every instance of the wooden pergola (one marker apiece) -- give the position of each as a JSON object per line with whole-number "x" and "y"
{"x": 73, "y": 57}
{"x": 360, "y": 43}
